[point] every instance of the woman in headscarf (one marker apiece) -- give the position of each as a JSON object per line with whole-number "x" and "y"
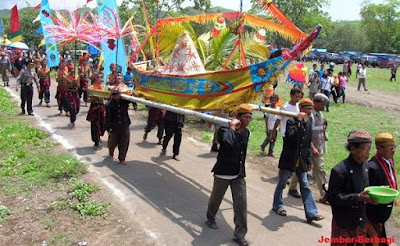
{"x": 346, "y": 191}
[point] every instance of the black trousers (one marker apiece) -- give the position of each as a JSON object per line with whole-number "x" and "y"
{"x": 85, "y": 95}
{"x": 393, "y": 77}
{"x": 70, "y": 109}
{"x": 160, "y": 128}
{"x": 93, "y": 132}
{"x": 173, "y": 129}
{"x": 26, "y": 98}
{"x": 46, "y": 95}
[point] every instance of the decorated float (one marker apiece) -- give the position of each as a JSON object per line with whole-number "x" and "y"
{"x": 180, "y": 77}
{"x": 217, "y": 70}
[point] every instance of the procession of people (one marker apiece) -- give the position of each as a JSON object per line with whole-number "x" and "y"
{"x": 355, "y": 213}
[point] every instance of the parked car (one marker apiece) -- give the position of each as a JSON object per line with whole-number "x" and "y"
{"x": 341, "y": 58}
{"x": 355, "y": 58}
{"x": 397, "y": 61}
{"x": 384, "y": 62}
{"x": 331, "y": 57}
{"x": 369, "y": 60}
{"x": 322, "y": 57}
{"x": 312, "y": 56}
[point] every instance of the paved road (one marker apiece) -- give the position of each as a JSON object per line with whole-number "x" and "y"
{"x": 168, "y": 199}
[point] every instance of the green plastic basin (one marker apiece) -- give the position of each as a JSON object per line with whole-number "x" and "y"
{"x": 383, "y": 195}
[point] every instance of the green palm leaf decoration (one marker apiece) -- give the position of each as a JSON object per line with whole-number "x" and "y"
{"x": 219, "y": 49}
{"x": 254, "y": 49}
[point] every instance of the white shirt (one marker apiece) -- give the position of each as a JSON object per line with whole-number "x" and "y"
{"x": 326, "y": 83}
{"x": 363, "y": 73}
{"x": 287, "y": 107}
{"x": 390, "y": 169}
{"x": 271, "y": 119}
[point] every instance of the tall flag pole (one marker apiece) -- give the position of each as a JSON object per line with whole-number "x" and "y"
{"x": 113, "y": 50}
{"x": 15, "y": 27}
{"x": 51, "y": 47}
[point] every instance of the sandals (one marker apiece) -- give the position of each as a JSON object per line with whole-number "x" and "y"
{"x": 281, "y": 212}
{"x": 241, "y": 241}
{"x": 315, "y": 218}
{"x": 212, "y": 225}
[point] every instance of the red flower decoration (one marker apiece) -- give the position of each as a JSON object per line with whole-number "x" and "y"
{"x": 181, "y": 67}
{"x": 176, "y": 53}
{"x": 196, "y": 66}
{"x": 183, "y": 45}
{"x": 171, "y": 68}
{"x": 191, "y": 54}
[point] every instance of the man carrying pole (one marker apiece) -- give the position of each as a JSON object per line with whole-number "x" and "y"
{"x": 230, "y": 171}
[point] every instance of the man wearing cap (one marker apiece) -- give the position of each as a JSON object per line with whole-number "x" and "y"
{"x": 346, "y": 189}
{"x": 5, "y": 65}
{"x": 117, "y": 125}
{"x": 381, "y": 172}
{"x": 230, "y": 171}
{"x": 318, "y": 143}
{"x": 26, "y": 79}
{"x": 296, "y": 157}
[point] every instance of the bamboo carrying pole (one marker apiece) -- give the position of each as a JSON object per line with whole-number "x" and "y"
{"x": 200, "y": 115}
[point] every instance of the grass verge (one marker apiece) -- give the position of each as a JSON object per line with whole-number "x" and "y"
{"x": 29, "y": 162}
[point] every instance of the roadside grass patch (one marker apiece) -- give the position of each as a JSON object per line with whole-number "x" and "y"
{"x": 49, "y": 223}
{"x": 82, "y": 190}
{"x": 94, "y": 208}
{"x": 6, "y": 108}
{"x": 4, "y": 212}
{"x": 62, "y": 239}
{"x": 28, "y": 162}
{"x": 79, "y": 196}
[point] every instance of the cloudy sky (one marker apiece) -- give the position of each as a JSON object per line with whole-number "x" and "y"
{"x": 338, "y": 9}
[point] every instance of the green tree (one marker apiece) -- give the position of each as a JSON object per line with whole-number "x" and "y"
{"x": 164, "y": 7}
{"x": 381, "y": 22}
{"x": 345, "y": 36}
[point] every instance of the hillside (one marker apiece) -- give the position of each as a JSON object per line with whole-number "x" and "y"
{"x": 5, "y": 13}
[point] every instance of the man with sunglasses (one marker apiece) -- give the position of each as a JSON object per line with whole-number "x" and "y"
{"x": 381, "y": 172}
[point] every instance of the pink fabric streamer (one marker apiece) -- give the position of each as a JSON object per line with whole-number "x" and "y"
{"x": 79, "y": 27}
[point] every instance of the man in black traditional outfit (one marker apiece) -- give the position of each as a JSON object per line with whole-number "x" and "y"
{"x": 381, "y": 171}
{"x": 346, "y": 191}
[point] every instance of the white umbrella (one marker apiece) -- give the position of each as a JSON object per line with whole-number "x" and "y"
{"x": 19, "y": 45}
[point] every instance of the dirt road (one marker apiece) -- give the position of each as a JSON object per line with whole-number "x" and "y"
{"x": 167, "y": 200}
{"x": 385, "y": 101}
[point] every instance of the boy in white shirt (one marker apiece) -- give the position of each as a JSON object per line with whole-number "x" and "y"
{"x": 270, "y": 120}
